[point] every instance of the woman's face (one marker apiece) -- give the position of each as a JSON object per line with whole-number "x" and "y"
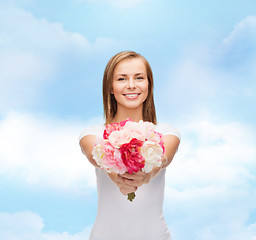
{"x": 130, "y": 84}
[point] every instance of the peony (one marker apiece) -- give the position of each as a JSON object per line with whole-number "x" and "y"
{"x": 126, "y": 134}
{"x": 158, "y": 138}
{"x": 113, "y": 127}
{"x": 129, "y": 146}
{"x": 110, "y": 128}
{"x": 98, "y": 154}
{"x": 153, "y": 153}
{"x": 130, "y": 154}
{"x": 147, "y": 129}
{"x": 112, "y": 161}
{"x": 118, "y": 138}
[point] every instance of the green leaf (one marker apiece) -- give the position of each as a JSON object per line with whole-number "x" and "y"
{"x": 131, "y": 196}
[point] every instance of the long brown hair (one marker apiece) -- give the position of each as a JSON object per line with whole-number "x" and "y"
{"x": 109, "y": 101}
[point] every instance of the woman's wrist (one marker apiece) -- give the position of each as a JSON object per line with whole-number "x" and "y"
{"x": 164, "y": 161}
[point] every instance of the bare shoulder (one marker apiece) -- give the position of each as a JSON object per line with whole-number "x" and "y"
{"x": 171, "y": 141}
{"x": 87, "y": 141}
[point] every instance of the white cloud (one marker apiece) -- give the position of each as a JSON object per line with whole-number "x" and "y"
{"x": 237, "y": 50}
{"x": 34, "y": 52}
{"x": 43, "y": 151}
{"x": 29, "y": 226}
{"x": 210, "y": 192}
{"x": 20, "y": 28}
{"x": 210, "y": 184}
{"x": 215, "y": 79}
{"x": 118, "y": 3}
{"x": 192, "y": 84}
{"x": 21, "y": 75}
{"x": 244, "y": 30}
{"x": 22, "y": 32}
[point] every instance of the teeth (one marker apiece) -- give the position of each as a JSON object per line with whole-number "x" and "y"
{"x": 132, "y": 95}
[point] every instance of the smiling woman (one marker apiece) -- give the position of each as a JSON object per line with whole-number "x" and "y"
{"x": 128, "y": 93}
{"x": 123, "y": 67}
{"x": 130, "y": 87}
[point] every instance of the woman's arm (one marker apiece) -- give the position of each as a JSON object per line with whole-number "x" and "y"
{"x": 171, "y": 144}
{"x": 86, "y": 144}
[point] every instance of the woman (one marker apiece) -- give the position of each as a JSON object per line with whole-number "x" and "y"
{"x": 128, "y": 93}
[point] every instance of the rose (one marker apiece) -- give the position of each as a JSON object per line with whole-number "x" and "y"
{"x": 130, "y": 154}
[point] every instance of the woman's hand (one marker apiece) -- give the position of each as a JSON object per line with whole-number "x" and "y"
{"x": 124, "y": 186}
{"x": 139, "y": 178}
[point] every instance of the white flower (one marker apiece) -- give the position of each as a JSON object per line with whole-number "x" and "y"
{"x": 152, "y": 152}
{"x": 98, "y": 154}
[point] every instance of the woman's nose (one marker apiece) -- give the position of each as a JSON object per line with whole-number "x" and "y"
{"x": 131, "y": 83}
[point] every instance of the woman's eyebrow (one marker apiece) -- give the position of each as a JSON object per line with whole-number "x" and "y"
{"x": 125, "y": 75}
{"x": 121, "y": 74}
{"x": 140, "y": 73}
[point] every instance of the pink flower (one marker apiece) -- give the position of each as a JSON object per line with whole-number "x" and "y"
{"x": 118, "y": 138}
{"x": 122, "y": 123}
{"x": 130, "y": 154}
{"x": 112, "y": 159}
{"x": 147, "y": 129}
{"x": 114, "y": 127}
{"x": 134, "y": 130}
{"x": 160, "y": 141}
{"x": 129, "y": 146}
{"x": 110, "y": 128}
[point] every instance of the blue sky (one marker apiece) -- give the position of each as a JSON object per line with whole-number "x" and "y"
{"x": 52, "y": 58}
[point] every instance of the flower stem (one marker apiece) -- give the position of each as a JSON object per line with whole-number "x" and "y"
{"x": 131, "y": 196}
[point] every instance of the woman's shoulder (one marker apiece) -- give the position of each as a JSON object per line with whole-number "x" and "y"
{"x": 167, "y": 129}
{"x": 96, "y": 130}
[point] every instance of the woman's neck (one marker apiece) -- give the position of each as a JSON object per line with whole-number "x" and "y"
{"x": 134, "y": 114}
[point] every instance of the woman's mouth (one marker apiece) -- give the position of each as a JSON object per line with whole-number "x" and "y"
{"x": 131, "y": 95}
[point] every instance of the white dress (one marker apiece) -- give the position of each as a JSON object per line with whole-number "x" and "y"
{"x": 118, "y": 218}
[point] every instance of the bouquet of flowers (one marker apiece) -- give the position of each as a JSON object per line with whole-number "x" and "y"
{"x": 129, "y": 146}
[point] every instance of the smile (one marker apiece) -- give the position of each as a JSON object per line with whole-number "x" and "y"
{"x": 132, "y": 95}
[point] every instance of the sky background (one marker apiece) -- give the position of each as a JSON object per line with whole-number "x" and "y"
{"x": 52, "y": 58}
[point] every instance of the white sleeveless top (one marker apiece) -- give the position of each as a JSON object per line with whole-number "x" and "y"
{"x": 118, "y": 218}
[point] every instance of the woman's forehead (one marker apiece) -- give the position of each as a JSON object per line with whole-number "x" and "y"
{"x": 130, "y": 66}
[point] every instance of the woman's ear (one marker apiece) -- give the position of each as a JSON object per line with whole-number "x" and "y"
{"x": 111, "y": 91}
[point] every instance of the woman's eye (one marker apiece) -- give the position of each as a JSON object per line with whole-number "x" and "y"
{"x": 121, "y": 79}
{"x": 139, "y": 78}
